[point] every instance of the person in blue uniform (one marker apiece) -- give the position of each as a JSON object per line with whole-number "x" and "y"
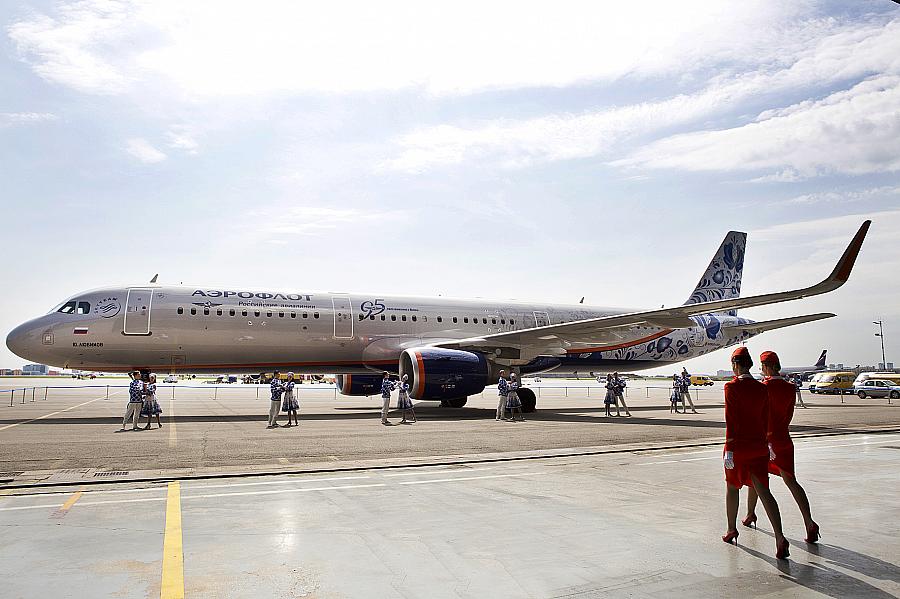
{"x": 686, "y": 391}
{"x": 513, "y": 403}
{"x": 276, "y": 387}
{"x": 404, "y": 403}
{"x": 387, "y": 386}
{"x": 135, "y": 401}
{"x": 798, "y": 383}
{"x": 620, "y": 394}
{"x": 503, "y": 393}
{"x": 677, "y": 395}
{"x": 290, "y": 403}
{"x": 610, "y": 398}
{"x": 151, "y": 406}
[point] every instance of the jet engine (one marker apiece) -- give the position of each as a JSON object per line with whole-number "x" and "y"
{"x": 448, "y": 375}
{"x": 358, "y": 384}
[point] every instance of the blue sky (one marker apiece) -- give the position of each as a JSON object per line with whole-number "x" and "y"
{"x": 539, "y": 151}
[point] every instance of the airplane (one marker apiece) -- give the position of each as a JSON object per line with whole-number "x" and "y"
{"x": 450, "y": 348}
{"x": 801, "y": 370}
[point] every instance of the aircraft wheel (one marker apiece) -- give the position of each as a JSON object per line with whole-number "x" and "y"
{"x": 529, "y": 401}
{"x": 456, "y": 402}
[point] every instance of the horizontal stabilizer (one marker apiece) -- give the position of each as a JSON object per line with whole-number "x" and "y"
{"x": 771, "y": 325}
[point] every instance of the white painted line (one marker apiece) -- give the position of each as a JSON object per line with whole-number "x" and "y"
{"x": 273, "y": 482}
{"x": 95, "y": 492}
{"x": 802, "y": 447}
{"x": 279, "y": 491}
{"x": 443, "y": 471}
{"x": 460, "y": 478}
{"x": 3, "y": 428}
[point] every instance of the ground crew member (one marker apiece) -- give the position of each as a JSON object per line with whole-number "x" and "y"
{"x": 798, "y": 382}
{"x": 746, "y": 453}
{"x": 781, "y": 447}
{"x": 686, "y": 391}
{"x": 276, "y": 388}
{"x": 135, "y": 401}
{"x": 620, "y": 393}
{"x": 503, "y": 392}
{"x": 386, "y": 387}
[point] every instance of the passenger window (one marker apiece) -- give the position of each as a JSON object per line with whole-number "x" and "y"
{"x": 414, "y": 319}
{"x": 455, "y": 319}
{"x": 466, "y": 320}
{"x": 193, "y": 311}
{"x": 83, "y": 308}
{"x": 181, "y": 310}
{"x": 493, "y": 321}
{"x": 484, "y": 321}
{"x": 281, "y": 315}
{"x": 268, "y": 315}
{"x": 371, "y": 317}
{"x": 394, "y": 317}
{"x": 511, "y": 321}
{"x": 440, "y": 319}
{"x": 256, "y": 313}
{"x": 305, "y": 315}
{"x": 219, "y": 312}
{"x": 315, "y": 314}
{"x": 502, "y": 321}
{"x": 424, "y": 318}
{"x": 293, "y": 315}
{"x": 382, "y": 317}
{"x": 231, "y": 313}
{"x": 243, "y": 313}
{"x": 403, "y": 318}
{"x": 67, "y": 308}
{"x": 206, "y": 311}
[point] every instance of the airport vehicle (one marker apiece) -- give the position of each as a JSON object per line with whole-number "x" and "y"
{"x": 833, "y": 383}
{"x": 450, "y": 348}
{"x": 894, "y": 377}
{"x": 700, "y": 380}
{"x": 877, "y": 388}
{"x": 171, "y": 379}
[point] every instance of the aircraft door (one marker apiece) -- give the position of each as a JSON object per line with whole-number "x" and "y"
{"x": 541, "y": 319}
{"x": 137, "y": 311}
{"x": 343, "y": 317}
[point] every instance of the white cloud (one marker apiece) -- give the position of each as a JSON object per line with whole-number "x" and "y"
{"x": 142, "y": 150}
{"x": 854, "y": 131}
{"x": 8, "y": 119}
{"x": 825, "y": 197}
{"x": 179, "y": 138}
{"x": 208, "y": 48}
{"x": 832, "y": 52}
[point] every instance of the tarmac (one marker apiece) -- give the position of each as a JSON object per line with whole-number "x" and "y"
{"x": 569, "y": 503}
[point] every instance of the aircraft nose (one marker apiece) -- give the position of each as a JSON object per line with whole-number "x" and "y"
{"x": 20, "y": 339}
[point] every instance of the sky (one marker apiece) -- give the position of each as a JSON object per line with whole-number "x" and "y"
{"x": 538, "y": 151}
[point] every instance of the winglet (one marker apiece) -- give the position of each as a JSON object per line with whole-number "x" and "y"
{"x": 842, "y": 270}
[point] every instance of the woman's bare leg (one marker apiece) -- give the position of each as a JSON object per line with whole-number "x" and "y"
{"x": 800, "y": 497}
{"x": 732, "y": 502}
{"x": 752, "y": 497}
{"x": 771, "y": 507}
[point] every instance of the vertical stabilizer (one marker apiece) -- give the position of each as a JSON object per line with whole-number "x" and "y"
{"x": 722, "y": 279}
{"x": 821, "y": 362}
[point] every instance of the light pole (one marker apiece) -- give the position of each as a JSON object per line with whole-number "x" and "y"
{"x": 880, "y": 333}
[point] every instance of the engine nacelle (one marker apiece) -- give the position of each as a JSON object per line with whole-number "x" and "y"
{"x": 437, "y": 374}
{"x": 358, "y": 384}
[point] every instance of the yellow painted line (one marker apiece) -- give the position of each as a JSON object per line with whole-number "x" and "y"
{"x": 172, "y": 586}
{"x": 70, "y": 502}
{"x": 3, "y": 428}
{"x": 173, "y": 434}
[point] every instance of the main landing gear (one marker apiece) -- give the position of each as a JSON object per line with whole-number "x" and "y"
{"x": 456, "y": 402}
{"x": 529, "y": 401}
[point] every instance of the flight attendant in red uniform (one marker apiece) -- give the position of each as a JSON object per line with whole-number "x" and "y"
{"x": 746, "y": 449}
{"x": 782, "y": 396}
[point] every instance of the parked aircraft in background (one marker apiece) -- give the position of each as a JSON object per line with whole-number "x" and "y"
{"x": 801, "y": 370}
{"x": 450, "y": 348}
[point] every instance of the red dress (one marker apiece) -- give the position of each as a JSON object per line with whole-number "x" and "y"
{"x": 746, "y": 427}
{"x": 782, "y": 398}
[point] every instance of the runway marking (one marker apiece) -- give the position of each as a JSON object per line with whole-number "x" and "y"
{"x": 173, "y": 433}
{"x": 172, "y": 585}
{"x": 3, "y": 428}
{"x": 280, "y": 491}
{"x": 447, "y": 480}
{"x": 64, "y": 509}
{"x": 442, "y": 471}
{"x": 797, "y": 447}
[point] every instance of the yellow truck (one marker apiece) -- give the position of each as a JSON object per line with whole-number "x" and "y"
{"x": 700, "y": 380}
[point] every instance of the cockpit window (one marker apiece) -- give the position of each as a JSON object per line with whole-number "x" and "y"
{"x": 75, "y": 308}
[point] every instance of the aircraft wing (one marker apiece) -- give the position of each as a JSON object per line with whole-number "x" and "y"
{"x": 771, "y": 325}
{"x": 606, "y": 332}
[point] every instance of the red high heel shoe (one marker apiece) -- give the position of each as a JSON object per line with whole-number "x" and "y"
{"x": 730, "y": 537}
{"x": 749, "y": 521}
{"x": 812, "y": 534}
{"x": 783, "y": 550}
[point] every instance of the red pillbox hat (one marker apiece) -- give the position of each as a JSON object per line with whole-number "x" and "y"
{"x": 741, "y": 351}
{"x": 769, "y": 357}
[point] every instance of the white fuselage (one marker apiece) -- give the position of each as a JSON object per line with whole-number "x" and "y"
{"x": 194, "y": 329}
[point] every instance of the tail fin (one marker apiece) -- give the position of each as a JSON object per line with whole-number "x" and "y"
{"x": 722, "y": 279}
{"x": 821, "y": 362}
